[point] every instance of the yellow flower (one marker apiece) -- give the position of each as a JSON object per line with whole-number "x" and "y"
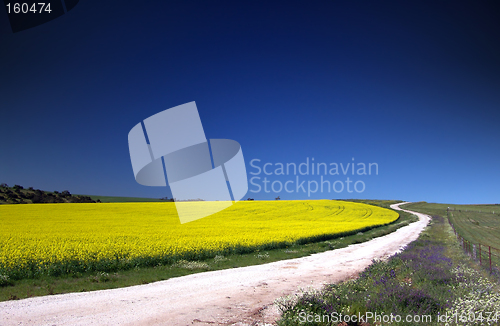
{"x": 41, "y": 236}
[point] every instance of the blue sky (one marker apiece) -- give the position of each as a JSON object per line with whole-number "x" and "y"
{"x": 414, "y": 87}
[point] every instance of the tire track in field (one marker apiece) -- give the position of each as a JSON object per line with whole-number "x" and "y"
{"x": 239, "y": 296}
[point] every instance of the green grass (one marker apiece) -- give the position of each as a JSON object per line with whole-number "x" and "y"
{"x": 432, "y": 276}
{"x": 374, "y": 202}
{"x": 79, "y": 282}
{"x": 475, "y": 223}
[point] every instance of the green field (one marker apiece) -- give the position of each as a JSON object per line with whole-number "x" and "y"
{"x": 432, "y": 278}
{"x": 478, "y": 224}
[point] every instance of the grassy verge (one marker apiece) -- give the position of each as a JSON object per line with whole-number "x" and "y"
{"x": 432, "y": 282}
{"x": 477, "y": 224}
{"x": 77, "y": 282}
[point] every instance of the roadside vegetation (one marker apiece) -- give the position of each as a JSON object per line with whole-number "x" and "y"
{"x": 11, "y": 288}
{"x": 477, "y": 225}
{"x": 431, "y": 282}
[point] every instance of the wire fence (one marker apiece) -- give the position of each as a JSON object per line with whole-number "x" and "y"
{"x": 487, "y": 256}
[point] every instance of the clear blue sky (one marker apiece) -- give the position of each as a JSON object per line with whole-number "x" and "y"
{"x": 413, "y": 86}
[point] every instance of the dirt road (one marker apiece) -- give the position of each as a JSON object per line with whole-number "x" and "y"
{"x": 239, "y": 296}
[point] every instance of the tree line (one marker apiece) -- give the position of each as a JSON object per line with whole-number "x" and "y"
{"x": 19, "y": 195}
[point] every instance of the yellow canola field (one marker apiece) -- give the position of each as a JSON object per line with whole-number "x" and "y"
{"x": 35, "y": 238}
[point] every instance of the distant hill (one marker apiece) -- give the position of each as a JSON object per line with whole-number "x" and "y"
{"x": 20, "y": 195}
{"x": 113, "y": 199}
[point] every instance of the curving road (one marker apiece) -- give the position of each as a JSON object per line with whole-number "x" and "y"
{"x": 239, "y": 296}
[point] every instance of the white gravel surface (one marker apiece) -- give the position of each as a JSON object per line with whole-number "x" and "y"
{"x": 238, "y": 296}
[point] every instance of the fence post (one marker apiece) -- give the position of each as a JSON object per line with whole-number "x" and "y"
{"x": 490, "y": 257}
{"x": 480, "y": 261}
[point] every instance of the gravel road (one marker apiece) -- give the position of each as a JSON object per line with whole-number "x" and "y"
{"x": 238, "y": 296}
